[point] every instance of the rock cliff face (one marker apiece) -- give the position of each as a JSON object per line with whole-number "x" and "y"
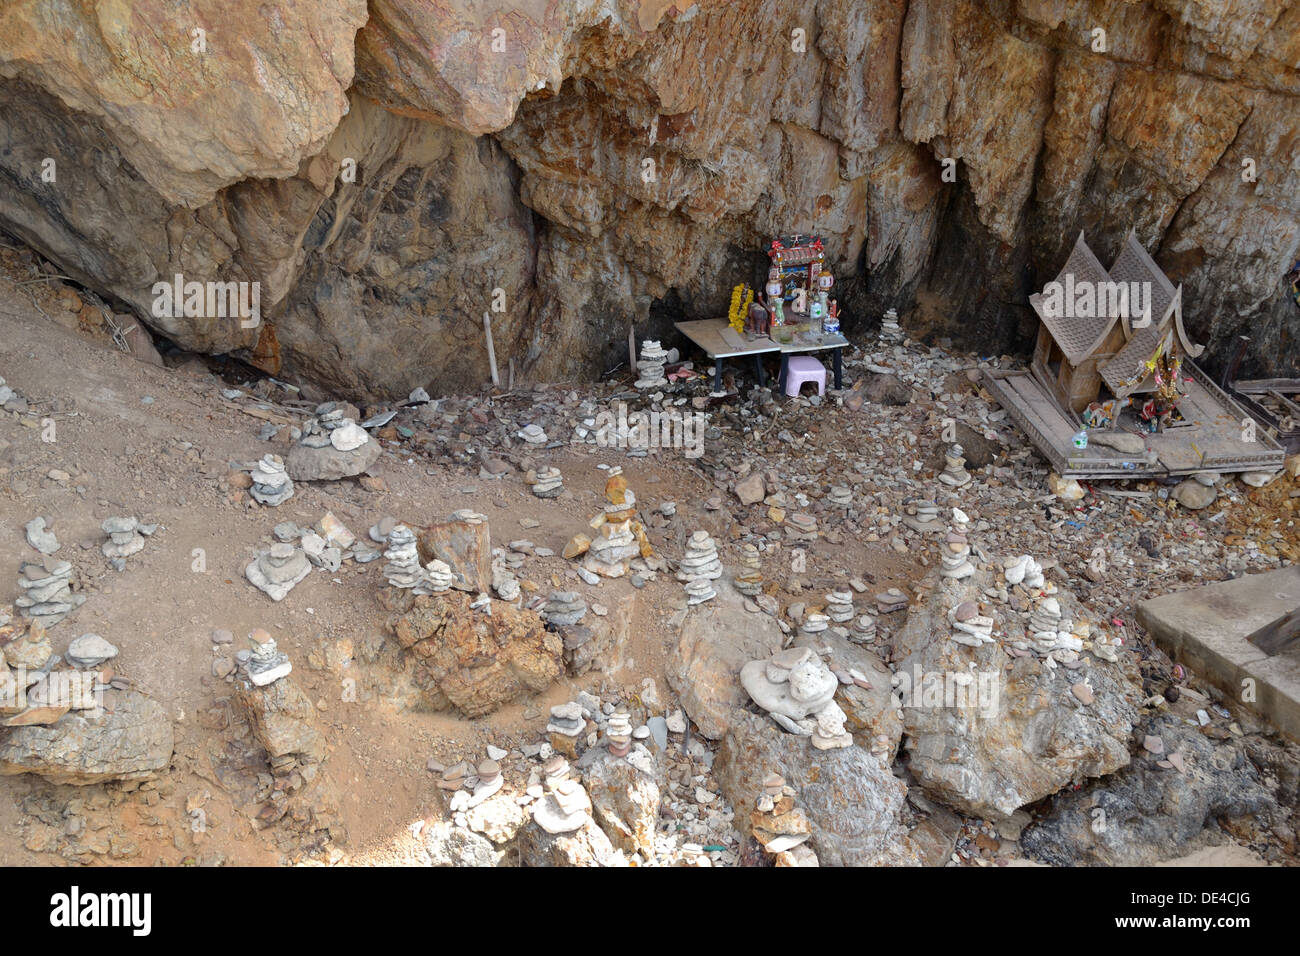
{"x": 390, "y": 172}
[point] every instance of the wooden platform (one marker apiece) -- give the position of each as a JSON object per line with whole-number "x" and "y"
{"x": 1211, "y": 441}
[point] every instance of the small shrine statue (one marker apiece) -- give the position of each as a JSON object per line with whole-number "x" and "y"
{"x": 758, "y": 321}
{"x": 1158, "y": 411}
{"x": 818, "y": 310}
{"x": 775, "y": 302}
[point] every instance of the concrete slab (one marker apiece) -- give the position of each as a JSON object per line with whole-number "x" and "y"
{"x": 1206, "y": 628}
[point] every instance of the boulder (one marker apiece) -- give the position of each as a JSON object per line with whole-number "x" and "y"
{"x": 329, "y": 463}
{"x": 624, "y": 800}
{"x": 1193, "y": 495}
{"x": 466, "y": 548}
{"x": 751, "y": 490}
{"x": 132, "y": 741}
{"x": 588, "y": 846}
{"x": 1018, "y": 732}
{"x": 499, "y": 818}
{"x": 471, "y": 661}
{"x": 703, "y": 668}
{"x": 1146, "y": 813}
{"x": 848, "y": 795}
{"x": 283, "y": 720}
{"x": 450, "y": 845}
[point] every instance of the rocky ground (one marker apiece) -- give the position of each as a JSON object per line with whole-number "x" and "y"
{"x": 364, "y": 754}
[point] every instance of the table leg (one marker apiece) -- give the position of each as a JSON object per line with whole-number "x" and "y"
{"x": 717, "y": 375}
{"x": 785, "y": 368}
{"x": 835, "y": 364}
{"x": 758, "y": 366}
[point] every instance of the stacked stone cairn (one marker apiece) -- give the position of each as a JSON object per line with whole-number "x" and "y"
{"x": 547, "y": 482}
{"x": 954, "y": 473}
{"x": 564, "y": 608}
{"x": 863, "y": 630}
{"x": 263, "y": 663}
{"x": 750, "y": 580}
{"x": 276, "y": 572}
{"x": 801, "y": 526}
{"x": 780, "y": 827}
{"x": 490, "y": 781}
{"x": 271, "y": 483}
{"x": 891, "y": 600}
{"x": 651, "y": 366}
{"x": 403, "y": 569}
{"x": 969, "y": 627}
{"x": 791, "y": 685}
{"x": 533, "y": 434}
{"x": 699, "y": 567}
{"x": 829, "y": 733}
{"x": 955, "y": 557}
{"x": 438, "y": 577}
{"x": 619, "y": 732}
{"x": 891, "y": 333}
{"x": 1023, "y": 570}
{"x": 565, "y": 726}
{"x": 125, "y": 537}
{"x": 921, "y": 515}
{"x": 619, "y": 536}
{"x": 565, "y": 808}
{"x": 839, "y": 606}
{"x": 813, "y": 624}
{"x": 47, "y": 591}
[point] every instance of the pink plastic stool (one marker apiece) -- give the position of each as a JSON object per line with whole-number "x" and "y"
{"x": 800, "y": 369}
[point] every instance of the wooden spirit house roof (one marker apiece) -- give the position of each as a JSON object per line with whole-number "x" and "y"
{"x": 1077, "y": 336}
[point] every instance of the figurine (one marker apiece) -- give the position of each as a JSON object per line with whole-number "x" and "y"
{"x": 758, "y": 320}
{"x": 775, "y": 303}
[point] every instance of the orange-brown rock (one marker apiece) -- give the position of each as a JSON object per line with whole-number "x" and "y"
{"x": 471, "y": 661}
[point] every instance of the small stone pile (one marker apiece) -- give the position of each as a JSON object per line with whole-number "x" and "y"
{"x": 490, "y": 781}
{"x": 891, "y": 600}
{"x": 47, "y": 591}
{"x": 438, "y": 577}
{"x": 533, "y": 434}
{"x": 403, "y": 569}
{"x": 1050, "y": 629}
{"x": 955, "y": 557}
{"x": 651, "y": 365}
{"x": 331, "y": 447}
{"x": 863, "y": 630}
{"x": 89, "y": 651}
{"x": 125, "y": 538}
{"x": 922, "y": 515}
{"x": 619, "y": 732}
{"x": 780, "y": 827}
{"x": 840, "y": 497}
{"x": 381, "y": 529}
{"x": 801, "y": 526}
{"x": 891, "y": 333}
{"x": 276, "y": 572}
{"x": 969, "y": 627}
{"x": 839, "y": 606}
{"x": 263, "y": 663}
{"x": 564, "y": 809}
{"x": 700, "y": 566}
{"x": 564, "y": 608}
{"x": 566, "y": 725}
{"x": 546, "y": 482}
{"x": 750, "y": 580}
{"x": 791, "y": 685}
{"x": 1023, "y": 570}
{"x": 271, "y": 483}
{"x": 620, "y": 537}
{"x": 813, "y": 624}
{"x": 829, "y": 734}
{"x": 954, "y": 473}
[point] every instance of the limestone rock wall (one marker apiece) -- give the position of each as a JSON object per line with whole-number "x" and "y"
{"x": 390, "y": 171}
